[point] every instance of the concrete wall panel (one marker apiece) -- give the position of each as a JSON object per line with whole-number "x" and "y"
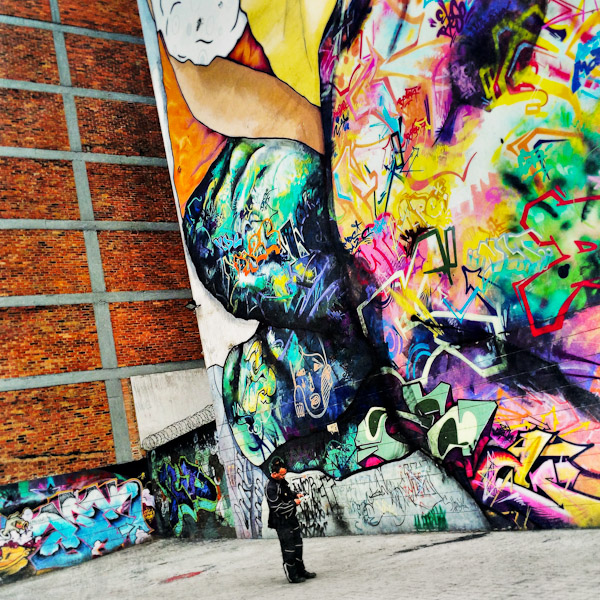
{"x": 162, "y": 399}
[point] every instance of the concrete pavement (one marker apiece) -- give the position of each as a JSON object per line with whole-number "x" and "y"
{"x": 484, "y": 566}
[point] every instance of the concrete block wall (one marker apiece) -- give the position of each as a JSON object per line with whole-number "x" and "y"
{"x": 93, "y": 280}
{"x": 392, "y": 210}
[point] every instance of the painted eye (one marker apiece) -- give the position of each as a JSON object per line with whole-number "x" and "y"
{"x": 374, "y": 420}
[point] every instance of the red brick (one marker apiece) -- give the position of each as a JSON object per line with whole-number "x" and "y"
{"x": 27, "y": 54}
{"x": 32, "y": 120}
{"x": 134, "y": 433}
{"x": 43, "y": 262}
{"x": 154, "y": 332}
{"x": 27, "y": 9}
{"x": 63, "y": 429}
{"x": 119, "y": 16}
{"x": 48, "y": 431}
{"x": 42, "y": 340}
{"x": 108, "y": 65}
{"x": 131, "y": 193}
{"x": 143, "y": 260}
{"x": 37, "y": 189}
{"x": 114, "y": 127}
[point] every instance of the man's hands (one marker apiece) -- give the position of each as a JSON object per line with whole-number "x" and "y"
{"x": 299, "y": 498}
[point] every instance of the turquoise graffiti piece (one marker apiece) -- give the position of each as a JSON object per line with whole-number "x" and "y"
{"x": 374, "y": 444}
{"x": 56, "y": 531}
{"x": 68, "y": 527}
{"x": 425, "y": 407}
{"x": 461, "y": 427}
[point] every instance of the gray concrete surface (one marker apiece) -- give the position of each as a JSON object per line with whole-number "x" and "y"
{"x": 545, "y": 565}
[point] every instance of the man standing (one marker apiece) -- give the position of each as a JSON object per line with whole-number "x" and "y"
{"x": 282, "y": 503}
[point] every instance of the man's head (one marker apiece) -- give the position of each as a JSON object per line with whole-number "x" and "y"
{"x": 277, "y": 468}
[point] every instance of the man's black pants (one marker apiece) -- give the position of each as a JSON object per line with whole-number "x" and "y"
{"x": 291, "y": 549}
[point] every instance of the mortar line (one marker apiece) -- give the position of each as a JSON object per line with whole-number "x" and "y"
{"x": 88, "y": 157}
{"x": 74, "y": 377}
{"x": 93, "y": 298}
{"x": 75, "y": 29}
{"x": 87, "y": 224}
{"x": 65, "y": 88}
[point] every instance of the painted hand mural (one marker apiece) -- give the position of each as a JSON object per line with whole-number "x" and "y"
{"x": 417, "y": 240}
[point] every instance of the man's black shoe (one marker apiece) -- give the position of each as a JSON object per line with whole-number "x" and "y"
{"x": 308, "y": 575}
{"x": 297, "y": 580}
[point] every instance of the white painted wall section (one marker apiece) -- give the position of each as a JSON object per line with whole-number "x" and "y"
{"x": 162, "y": 399}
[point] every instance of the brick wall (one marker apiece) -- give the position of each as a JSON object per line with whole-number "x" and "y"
{"x": 40, "y": 340}
{"x": 37, "y": 189}
{"x": 27, "y": 9}
{"x": 146, "y": 197}
{"x": 76, "y": 161}
{"x": 134, "y": 434}
{"x": 116, "y": 127}
{"x": 43, "y": 262}
{"x": 108, "y": 64}
{"x": 75, "y": 420}
{"x": 19, "y": 62}
{"x": 118, "y": 16}
{"x": 32, "y": 120}
{"x": 146, "y": 331}
{"x": 155, "y": 260}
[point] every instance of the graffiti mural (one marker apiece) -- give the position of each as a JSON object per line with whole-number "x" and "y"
{"x": 404, "y": 197}
{"x": 245, "y": 481}
{"x": 72, "y": 524}
{"x": 191, "y": 497}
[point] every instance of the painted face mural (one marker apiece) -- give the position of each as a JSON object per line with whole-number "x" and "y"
{"x": 417, "y": 242}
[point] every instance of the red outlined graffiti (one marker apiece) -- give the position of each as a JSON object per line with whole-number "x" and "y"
{"x": 569, "y": 250}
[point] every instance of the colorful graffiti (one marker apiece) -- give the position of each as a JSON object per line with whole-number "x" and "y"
{"x": 404, "y": 197}
{"x": 73, "y": 524}
{"x": 188, "y": 488}
{"x": 245, "y": 481}
{"x": 191, "y": 499}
